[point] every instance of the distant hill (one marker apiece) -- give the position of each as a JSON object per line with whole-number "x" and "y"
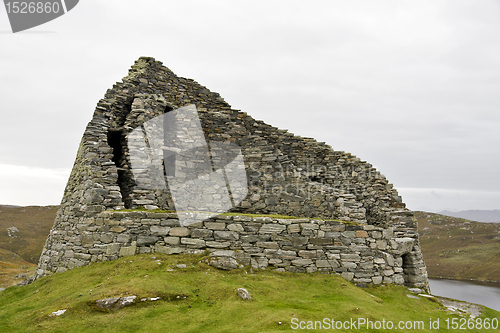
{"x": 457, "y": 248}
{"x": 13, "y": 268}
{"x": 476, "y": 215}
{"x": 24, "y": 230}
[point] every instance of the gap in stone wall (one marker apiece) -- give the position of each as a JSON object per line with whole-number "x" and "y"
{"x": 164, "y": 197}
{"x": 169, "y": 158}
{"x": 115, "y": 140}
{"x": 407, "y": 266}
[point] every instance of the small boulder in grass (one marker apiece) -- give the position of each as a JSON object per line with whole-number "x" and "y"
{"x": 107, "y": 303}
{"x": 115, "y": 303}
{"x": 57, "y": 313}
{"x": 244, "y": 294}
{"x": 225, "y": 263}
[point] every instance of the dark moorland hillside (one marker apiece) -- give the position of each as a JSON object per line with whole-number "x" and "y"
{"x": 459, "y": 249}
{"x": 475, "y": 215}
{"x": 33, "y": 224}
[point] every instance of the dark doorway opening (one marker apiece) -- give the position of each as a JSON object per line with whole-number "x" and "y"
{"x": 116, "y": 140}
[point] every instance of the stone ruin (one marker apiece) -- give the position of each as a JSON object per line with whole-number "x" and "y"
{"x": 163, "y": 158}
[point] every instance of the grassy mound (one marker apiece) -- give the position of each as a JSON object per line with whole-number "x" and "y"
{"x": 199, "y": 298}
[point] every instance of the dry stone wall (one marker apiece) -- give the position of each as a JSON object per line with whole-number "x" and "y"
{"x": 285, "y": 174}
{"x": 364, "y": 254}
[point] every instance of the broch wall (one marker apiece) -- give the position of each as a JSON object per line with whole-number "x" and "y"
{"x": 285, "y": 174}
{"x": 361, "y": 253}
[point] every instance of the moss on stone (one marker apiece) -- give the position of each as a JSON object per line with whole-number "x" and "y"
{"x": 273, "y": 216}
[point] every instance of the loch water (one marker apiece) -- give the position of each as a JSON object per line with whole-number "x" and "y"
{"x": 484, "y": 293}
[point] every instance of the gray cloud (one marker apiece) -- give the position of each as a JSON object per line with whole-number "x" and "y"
{"x": 410, "y": 87}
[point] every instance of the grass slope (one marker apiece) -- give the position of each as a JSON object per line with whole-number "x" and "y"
{"x": 200, "y": 298}
{"x": 459, "y": 249}
{"x": 13, "y": 269}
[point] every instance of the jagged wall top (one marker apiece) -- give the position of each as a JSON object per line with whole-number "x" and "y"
{"x": 287, "y": 174}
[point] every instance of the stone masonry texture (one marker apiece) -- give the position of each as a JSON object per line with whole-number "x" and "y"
{"x": 350, "y": 219}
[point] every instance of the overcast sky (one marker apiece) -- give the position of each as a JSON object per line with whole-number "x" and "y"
{"x": 412, "y": 87}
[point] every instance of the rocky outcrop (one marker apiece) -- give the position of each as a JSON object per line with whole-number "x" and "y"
{"x": 13, "y": 232}
{"x": 115, "y": 303}
{"x": 244, "y": 294}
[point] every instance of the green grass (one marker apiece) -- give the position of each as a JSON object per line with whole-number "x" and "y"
{"x": 273, "y": 216}
{"x": 157, "y": 210}
{"x": 142, "y": 209}
{"x": 201, "y": 298}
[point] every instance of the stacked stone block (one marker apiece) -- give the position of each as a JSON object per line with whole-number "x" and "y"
{"x": 364, "y": 254}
